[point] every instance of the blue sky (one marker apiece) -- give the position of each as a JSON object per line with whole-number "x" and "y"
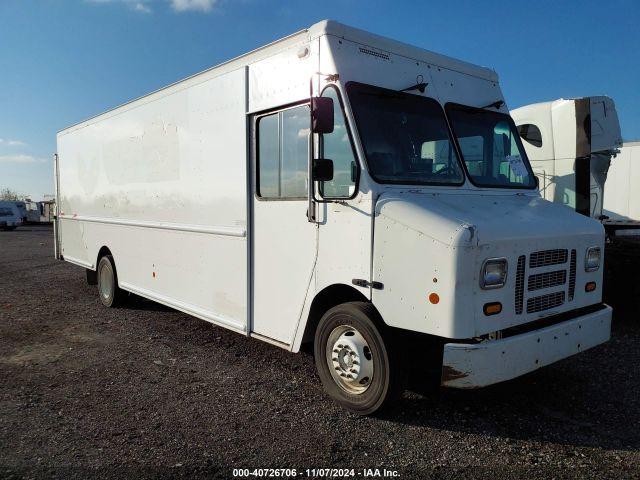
{"x": 62, "y": 61}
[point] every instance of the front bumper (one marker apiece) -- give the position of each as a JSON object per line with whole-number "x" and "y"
{"x": 481, "y": 364}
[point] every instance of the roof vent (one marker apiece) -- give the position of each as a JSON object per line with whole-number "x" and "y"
{"x": 373, "y": 53}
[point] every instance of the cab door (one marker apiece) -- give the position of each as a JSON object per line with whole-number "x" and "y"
{"x": 284, "y": 242}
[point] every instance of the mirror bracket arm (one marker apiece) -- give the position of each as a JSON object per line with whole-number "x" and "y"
{"x": 311, "y": 205}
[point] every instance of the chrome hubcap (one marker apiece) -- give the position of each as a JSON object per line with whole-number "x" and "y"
{"x": 350, "y": 359}
{"x": 106, "y": 282}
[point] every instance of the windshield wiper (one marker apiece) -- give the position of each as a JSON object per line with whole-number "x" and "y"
{"x": 497, "y": 104}
{"x": 421, "y": 87}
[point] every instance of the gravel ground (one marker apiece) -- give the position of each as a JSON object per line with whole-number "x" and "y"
{"x": 149, "y": 392}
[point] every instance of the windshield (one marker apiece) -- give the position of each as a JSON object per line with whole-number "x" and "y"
{"x": 5, "y": 212}
{"x": 490, "y": 147}
{"x": 405, "y": 137}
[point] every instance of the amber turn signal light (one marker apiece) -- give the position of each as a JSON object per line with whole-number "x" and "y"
{"x": 590, "y": 287}
{"x": 492, "y": 308}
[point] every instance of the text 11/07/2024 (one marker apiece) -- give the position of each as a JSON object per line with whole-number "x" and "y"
{"x": 315, "y": 473}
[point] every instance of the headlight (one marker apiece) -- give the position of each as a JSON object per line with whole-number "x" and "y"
{"x": 592, "y": 259}
{"x": 494, "y": 273}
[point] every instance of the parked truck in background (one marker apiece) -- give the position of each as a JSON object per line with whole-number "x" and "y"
{"x": 572, "y": 144}
{"x": 22, "y": 208}
{"x": 344, "y": 189}
{"x": 10, "y": 215}
{"x": 622, "y": 195}
{"x": 40, "y": 212}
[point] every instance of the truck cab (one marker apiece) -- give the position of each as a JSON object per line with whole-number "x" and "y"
{"x": 570, "y": 144}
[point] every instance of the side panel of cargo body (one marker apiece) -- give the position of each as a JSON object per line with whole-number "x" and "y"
{"x": 621, "y": 196}
{"x": 162, "y": 184}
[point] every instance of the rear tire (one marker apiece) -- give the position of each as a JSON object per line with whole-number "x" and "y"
{"x": 358, "y": 368}
{"x": 110, "y": 294}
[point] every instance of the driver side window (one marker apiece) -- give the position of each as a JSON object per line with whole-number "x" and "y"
{"x": 337, "y": 146}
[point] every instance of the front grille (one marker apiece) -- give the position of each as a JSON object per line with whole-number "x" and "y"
{"x": 532, "y": 276}
{"x": 547, "y": 279}
{"x": 545, "y": 302}
{"x": 572, "y": 275}
{"x": 547, "y": 257}
{"x": 520, "y": 284}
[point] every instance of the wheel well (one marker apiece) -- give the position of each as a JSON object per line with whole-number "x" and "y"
{"x": 326, "y": 299}
{"x": 103, "y": 251}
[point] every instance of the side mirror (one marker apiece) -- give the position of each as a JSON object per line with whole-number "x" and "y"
{"x": 506, "y": 144}
{"x": 354, "y": 172}
{"x": 537, "y": 179}
{"x": 322, "y": 170}
{"x": 322, "y": 114}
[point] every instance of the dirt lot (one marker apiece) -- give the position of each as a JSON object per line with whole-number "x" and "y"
{"x": 146, "y": 391}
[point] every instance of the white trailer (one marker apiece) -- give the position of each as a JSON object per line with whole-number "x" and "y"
{"x": 622, "y": 196}
{"x": 216, "y": 196}
{"x": 10, "y": 215}
{"x": 22, "y": 208}
{"x": 570, "y": 144}
{"x": 40, "y": 212}
{"x": 33, "y": 211}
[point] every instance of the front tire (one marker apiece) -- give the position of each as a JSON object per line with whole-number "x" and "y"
{"x": 110, "y": 294}
{"x": 358, "y": 368}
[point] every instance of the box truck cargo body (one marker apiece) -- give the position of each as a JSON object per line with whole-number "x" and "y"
{"x": 341, "y": 188}
{"x": 622, "y": 195}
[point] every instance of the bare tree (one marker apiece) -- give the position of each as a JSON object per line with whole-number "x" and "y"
{"x": 8, "y": 194}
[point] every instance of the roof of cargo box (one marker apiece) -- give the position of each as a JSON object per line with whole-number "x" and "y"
{"x": 331, "y": 27}
{"x": 324, "y": 27}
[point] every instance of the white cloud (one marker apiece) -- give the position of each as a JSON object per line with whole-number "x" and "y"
{"x": 178, "y": 6}
{"x": 303, "y": 133}
{"x": 12, "y": 143}
{"x": 21, "y": 159}
{"x": 193, "y": 5}
{"x": 142, "y": 6}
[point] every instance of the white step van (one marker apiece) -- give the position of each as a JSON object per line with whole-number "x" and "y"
{"x": 342, "y": 188}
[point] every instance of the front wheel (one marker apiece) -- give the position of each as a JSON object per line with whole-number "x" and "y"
{"x": 358, "y": 368}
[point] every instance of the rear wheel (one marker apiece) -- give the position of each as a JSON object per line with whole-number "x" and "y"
{"x": 110, "y": 294}
{"x": 358, "y": 368}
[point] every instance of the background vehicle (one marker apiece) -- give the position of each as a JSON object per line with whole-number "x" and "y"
{"x": 571, "y": 144}
{"x": 342, "y": 188}
{"x": 622, "y": 196}
{"x": 22, "y": 208}
{"x": 10, "y": 215}
{"x": 575, "y": 146}
{"x": 40, "y": 212}
{"x": 33, "y": 212}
